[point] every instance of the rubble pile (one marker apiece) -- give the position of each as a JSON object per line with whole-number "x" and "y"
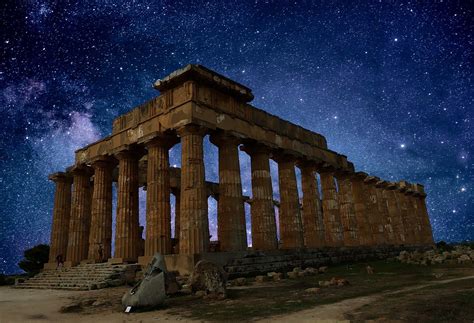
{"x": 459, "y": 255}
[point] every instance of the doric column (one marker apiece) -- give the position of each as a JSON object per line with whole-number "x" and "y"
{"x": 386, "y": 219}
{"x": 331, "y": 215}
{"x": 413, "y": 216}
{"x": 100, "y": 237}
{"x": 158, "y": 208}
{"x": 79, "y": 224}
{"x": 264, "y": 235}
{"x": 395, "y": 213}
{"x": 403, "y": 204}
{"x": 127, "y": 223}
{"x": 426, "y": 231}
{"x": 360, "y": 199}
{"x": 230, "y": 214}
{"x": 376, "y": 218}
{"x": 313, "y": 223}
{"x": 194, "y": 228}
{"x": 347, "y": 210}
{"x": 61, "y": 217}
{"x": 291, "y": 227}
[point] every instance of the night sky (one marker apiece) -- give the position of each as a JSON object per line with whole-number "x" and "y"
{"x": 388, "y": 83}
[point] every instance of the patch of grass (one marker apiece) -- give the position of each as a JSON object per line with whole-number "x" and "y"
{"x": 288, "y": 296}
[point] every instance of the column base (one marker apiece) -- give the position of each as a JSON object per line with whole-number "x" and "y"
{"x": 92, "y": 261}
{"x": 115, "y": 261}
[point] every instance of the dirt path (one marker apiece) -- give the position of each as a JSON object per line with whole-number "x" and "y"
{"x": 335, "y": 312}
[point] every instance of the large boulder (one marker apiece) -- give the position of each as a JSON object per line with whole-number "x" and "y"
{"x": 151, "y": 290}
{"x": 210, "y": 278}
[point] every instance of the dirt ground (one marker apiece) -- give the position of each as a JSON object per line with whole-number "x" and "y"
{"x": 394, "y": 292}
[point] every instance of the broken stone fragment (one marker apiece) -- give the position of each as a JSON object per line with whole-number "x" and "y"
{"x": 313, "y": 290}
{"x": 209, "y": 277}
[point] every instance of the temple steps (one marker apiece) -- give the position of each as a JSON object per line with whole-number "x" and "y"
{"x": 82, "y": 277}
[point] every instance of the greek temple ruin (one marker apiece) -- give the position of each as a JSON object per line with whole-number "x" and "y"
{"x": 347, "y": 208}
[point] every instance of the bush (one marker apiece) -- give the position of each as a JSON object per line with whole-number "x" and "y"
{"x": 35, "y": 258}
{"x": 6, "y": 280}
{"x": 443, "y": 246}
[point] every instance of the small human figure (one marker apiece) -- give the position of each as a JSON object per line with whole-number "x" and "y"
{"x": 59, "y": 261}
{"x": 100, "y": 252}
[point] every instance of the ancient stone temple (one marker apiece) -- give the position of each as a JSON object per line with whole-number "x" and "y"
{"x": 346, "y": 208}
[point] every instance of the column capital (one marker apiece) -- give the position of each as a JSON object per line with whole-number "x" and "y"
{"x": 129, "y": 152}
{"x": 104, "y": 161}
{"x": 80, "y": 169}
{"x": 191, "y": 129}
{"x": 160, "y": 139}
{"x": 325, "y": 168}
{"x": 281, "y": 157}
{"x": 221, "y": 138}
{"x": 306, "y": 164}
{"x": 255, "y": 148}
{"x": 60, "y": 177}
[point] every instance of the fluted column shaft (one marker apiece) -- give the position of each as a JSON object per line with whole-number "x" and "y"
{"x": 427, "y": 233}
{"x": 79, "y": 224}
{"x": 376, "y": 219}
{"x": 61, "y": 216}
{"x": 413, "y": 216}
{"x": 230, "y": 211}
{"x": 360, "y": 198}
{"x": 264, "y": 235}
{"x": 331, "y": 215}
{"x": 194, "y": 227}
{"x": 158, "y": 208}
{"x": 291, "y": 227}
{"x": 127, "y": 222}
{"x": 347, "y": 211}
{"x": 100, "y": 238}
{"x": 384, "y": 215}
{"x": 395, "y": 214}
{"x": 407, "y": 225}
{"x": 313, "y": 223}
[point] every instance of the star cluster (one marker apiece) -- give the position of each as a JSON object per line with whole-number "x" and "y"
{"x": 389, "y": 83}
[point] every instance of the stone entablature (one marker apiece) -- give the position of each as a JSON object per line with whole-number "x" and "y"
{"x": 351, "y": 209}
{"x": 190, "y": 102}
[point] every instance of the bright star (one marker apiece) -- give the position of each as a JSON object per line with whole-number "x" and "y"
{"x": 402, "y": 146}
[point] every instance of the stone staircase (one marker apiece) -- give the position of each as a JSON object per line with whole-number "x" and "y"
{"x": 83, "y": 277}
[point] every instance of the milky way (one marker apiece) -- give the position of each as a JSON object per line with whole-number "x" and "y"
{"x": 388, "y": 83}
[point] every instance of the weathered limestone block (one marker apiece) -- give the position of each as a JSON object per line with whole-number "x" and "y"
{"x": 210, "y": 278}
{"x": 360, "y": 198}
{"x": 100, "y": 237}
{"x": 158, "y": 208}
{"x": 313, "y": 223}
{"x": 376, "y": 217}
{"x": 127, "y": 223}
{"x": 231, "y": 213}
{"x": 347, "y": 211}
{"x": 194, "y": 223}
{"x": 79, "y": 225}
{"x": 331, "y": 214}
{"x": 291, "y": 227}
{"x": 61, "y": 216}
{"x": 262, "y": 212}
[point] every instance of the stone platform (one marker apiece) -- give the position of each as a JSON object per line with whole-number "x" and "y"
{"x": 82, "y": 277}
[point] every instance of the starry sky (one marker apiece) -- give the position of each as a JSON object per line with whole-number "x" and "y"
{"x": 389, "y": 83}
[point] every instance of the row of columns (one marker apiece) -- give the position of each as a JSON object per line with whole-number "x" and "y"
{"x": 355, "y": 209}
